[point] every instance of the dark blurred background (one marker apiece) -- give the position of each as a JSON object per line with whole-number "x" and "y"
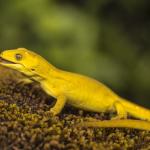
{"x": 105, "y": 39}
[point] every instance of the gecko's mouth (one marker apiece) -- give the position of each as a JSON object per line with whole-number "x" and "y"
{"x": 9, "y": 64}
{"x": 4, "y": 61}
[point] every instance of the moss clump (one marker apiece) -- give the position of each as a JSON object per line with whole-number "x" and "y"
{"x": 25, "y": 122}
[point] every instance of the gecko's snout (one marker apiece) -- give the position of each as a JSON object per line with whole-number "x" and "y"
{"x": 1, "y": 53}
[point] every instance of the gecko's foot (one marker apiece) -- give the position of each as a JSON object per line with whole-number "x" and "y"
{"x": 91, "y": 119}
{"x": 47, "y": 116}
{"x": 119, "y": 117}
{"x": 24, "y": 81}
{"x": 53, "y": 112}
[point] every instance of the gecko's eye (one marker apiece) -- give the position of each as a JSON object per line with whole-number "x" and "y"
{"x": 18, "y": 57}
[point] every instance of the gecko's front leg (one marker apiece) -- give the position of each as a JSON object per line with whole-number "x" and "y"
{"x": 61, "y": 99}
{"x": 60, "y": 103}
{"x": 24, "y": 81}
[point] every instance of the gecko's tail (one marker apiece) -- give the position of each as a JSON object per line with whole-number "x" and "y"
{"x": 124, "y": 123}
{"x": 136, "y": 110}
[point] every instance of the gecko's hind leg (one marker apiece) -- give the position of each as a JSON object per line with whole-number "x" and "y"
{"x": 121, "y": 112}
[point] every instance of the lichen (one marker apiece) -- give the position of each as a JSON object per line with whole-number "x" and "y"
{"x": 26, "y": 123}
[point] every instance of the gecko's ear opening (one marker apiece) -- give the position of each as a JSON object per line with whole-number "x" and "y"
{"x": 32, "y": 69}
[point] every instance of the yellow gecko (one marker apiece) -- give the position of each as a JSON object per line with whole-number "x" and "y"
{"x": 76, "y": 90}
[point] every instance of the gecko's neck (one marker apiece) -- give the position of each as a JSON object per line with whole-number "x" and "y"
{"x": 49, "y": 71}
{"x": 54, "y": 73}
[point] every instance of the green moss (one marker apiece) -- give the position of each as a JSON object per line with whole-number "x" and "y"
{"x": 25, "y": 123}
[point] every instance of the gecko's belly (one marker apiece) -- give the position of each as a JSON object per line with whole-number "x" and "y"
{"x": 92, "y": 104}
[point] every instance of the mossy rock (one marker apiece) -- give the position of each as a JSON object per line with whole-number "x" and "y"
{"x": 26, "y": 123}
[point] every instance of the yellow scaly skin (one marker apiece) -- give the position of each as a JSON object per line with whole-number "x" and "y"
{"x": 76, "y": 90}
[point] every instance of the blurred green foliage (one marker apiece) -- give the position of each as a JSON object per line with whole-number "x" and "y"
{"x": 105, "y": 39}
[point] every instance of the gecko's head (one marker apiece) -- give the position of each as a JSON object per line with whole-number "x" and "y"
{"x": 19, "y": 59}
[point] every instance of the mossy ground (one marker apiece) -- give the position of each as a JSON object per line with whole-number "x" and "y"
{"x": 25, "y": 122}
